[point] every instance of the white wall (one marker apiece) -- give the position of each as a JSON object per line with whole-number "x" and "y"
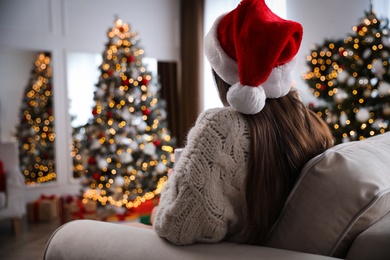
{"x": 62, "y": 27}
{"x": 330, "y": 19}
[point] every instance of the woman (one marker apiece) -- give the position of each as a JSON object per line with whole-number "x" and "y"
{"x": 241, "y": 161}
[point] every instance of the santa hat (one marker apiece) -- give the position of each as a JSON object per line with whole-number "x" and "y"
{"x": 253, "y": 50}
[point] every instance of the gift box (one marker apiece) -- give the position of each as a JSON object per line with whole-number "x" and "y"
{"x": 126, "y": 217}
{"x": 73, "y": 207}
{"x": 45, "y": 208}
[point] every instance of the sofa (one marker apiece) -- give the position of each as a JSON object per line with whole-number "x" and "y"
{"x": 12, "y": 198}
{"x": 338, "y": 209}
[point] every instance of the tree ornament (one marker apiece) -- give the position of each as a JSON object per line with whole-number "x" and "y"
{"x": 150, "y": 149}
{"x": 363, "y": 115}
{"x": 386, "y": 110}
{"x": 157, "y": 142}
{"x": 343, "y": 76}
{"x": 384, "y": 88}
{"x": 145, "y": 81}
{"x": 91, "y": 160}
{"x": 119, "y": 181}
{"x": 109, "y": 114}
{"x": 343, "y": 119}
{"x": 351, "y": 81}
{"x": 96, "y": 176}
{"x": 367, "y": 93}
{"x": 134, "y": 146}
{"x": 377, "y": 68}
{"x": 160, "y": 168}
{"x": 340, "y": 96}
{"x": 367, "y": 53}
{"x": 130, "y": 59}
{"x": 102, "y": 163}
{"x": 142, "y": 126}
{"x": 146, "y": 112}
{"x": 125, "y": 157}
{"x": 95, "y": 145}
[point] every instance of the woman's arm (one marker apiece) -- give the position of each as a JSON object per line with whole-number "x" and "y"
{"x": 196, "y": 202}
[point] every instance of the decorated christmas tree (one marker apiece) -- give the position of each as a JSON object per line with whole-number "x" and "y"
{"x": 35, "y": 131}
{"x": 127, "y": 147}
{"x": 351, "y": 79}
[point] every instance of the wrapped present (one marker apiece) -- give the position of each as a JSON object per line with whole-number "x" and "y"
{"x": 73, "y": 207}
{"x": 43, "y": 209}
{"x": 126, "y": 217}
{"x": 146, "y": 207}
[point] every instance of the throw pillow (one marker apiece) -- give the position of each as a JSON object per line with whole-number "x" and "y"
{"x": 339, "y": 194}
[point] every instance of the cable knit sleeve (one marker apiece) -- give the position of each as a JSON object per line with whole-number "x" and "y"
{"x": 203, "y": 201}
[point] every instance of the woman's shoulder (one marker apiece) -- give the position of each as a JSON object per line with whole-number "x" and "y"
{"x": 222, "y": 115}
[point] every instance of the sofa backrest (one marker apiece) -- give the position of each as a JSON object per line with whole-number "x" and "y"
{"x": 338, "y": 195}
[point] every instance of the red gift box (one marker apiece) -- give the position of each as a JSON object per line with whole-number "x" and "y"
{"x": 146, "y": 207}
{"x": 45, "y": 208}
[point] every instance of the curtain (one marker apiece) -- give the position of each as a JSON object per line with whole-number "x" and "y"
{"x": 191, "y": 54}
{"x": 182, "y": 83}
{"x": 168, "y": 77}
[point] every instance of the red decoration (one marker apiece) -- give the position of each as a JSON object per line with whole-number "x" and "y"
{"x": 311, "y": 105}
{"x": 322, "y": 87}
{"x": 45, "y": 156}
{"x": 91, "y": 160}
{"x": 146, "y": 112}
{"x": 341, "y": 51}
{"x": 157, "y": 142}
{"x": 121, "y": 29}
{"x": 94, "y": 112}
{"x": 110, "y": 72}
{"x": 96, "y": 176}
{"x": 145, "y": 81}
{"x": 130, "y": 59}
{"x": 109, "y": 114}
{"x": 100, "y": 135}
{"x": 125, "y": 82}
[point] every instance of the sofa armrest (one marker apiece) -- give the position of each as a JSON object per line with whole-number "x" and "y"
{"x": 373, "y": 243}
{"x": 16, "y": 191}
{"x": 89, "y": 239}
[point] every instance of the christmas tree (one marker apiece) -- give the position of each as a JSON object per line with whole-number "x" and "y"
{"x": 127, "y": 148}
{"x": 35, "y": 131}
{"x": 351, "y": 79}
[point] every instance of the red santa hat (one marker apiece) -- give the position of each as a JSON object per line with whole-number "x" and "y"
{"x": 253, "y": 50}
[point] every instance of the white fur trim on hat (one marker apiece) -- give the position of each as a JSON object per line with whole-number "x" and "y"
{"x": 279, "y": 81}
{"x": 246, "y": 99}
{"x": 223, "y": 65}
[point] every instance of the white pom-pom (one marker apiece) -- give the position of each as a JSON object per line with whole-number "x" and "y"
{"x": 279, "y": 82}
{"x": 245, "y": 99}
{"x": 363, "y": 115}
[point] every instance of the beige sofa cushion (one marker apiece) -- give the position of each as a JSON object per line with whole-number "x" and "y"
{"x": 339, "y": 194}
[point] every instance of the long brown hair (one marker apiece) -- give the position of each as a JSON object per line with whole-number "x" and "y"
{"x": 285, "y": 136}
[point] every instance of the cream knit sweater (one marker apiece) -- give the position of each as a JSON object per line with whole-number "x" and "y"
{"x": 204, "y": 199}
